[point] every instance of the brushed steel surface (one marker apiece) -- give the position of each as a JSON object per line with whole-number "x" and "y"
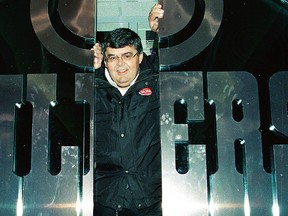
{"x": 178, "y": 16}
{"x": 52, "y": 41}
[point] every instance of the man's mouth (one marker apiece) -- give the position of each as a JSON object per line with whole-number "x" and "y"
{"x": 122, "y": 71}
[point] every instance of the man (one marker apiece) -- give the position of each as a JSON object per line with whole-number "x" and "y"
{"x": 155, "y": 14}
{"x": 127, "y": 174}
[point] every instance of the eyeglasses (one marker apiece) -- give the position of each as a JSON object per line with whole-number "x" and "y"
{"x": 126, "y": 57}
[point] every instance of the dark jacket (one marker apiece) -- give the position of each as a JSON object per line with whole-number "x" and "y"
{"x": 127, "y": 150}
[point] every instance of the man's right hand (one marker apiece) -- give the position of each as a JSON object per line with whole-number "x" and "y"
{"x": 98, "y": 56}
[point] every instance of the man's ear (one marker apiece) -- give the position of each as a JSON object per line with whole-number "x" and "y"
{"x": 140, "y": 57}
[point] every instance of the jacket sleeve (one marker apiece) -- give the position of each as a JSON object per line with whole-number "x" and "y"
{"x": 100, "y": 72}
{"x": 153, "y": 58}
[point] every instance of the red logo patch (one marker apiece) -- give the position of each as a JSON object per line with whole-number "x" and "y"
{"x": 145, "y": 91}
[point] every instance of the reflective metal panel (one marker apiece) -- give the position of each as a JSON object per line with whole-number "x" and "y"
{"x": 180, "y": 12}
{"x": 183, "y": 194}
{"x": 84, "y": 90}
{"x": 278, "y": 86}
{"x": 44, "y": 193}
{"x": 238, "y": 185}
{"x": 54, "y": 35}
{"x": 38, "y": 192}
{"x": 79, "y": 17}
{"x": 11, "y": 88}
{"x": 187, "y": 28}
{"x": 281, "y": 178}
{"x": 279, "y": 113}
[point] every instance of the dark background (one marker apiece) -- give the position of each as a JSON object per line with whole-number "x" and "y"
{"x": 253, "y": 36}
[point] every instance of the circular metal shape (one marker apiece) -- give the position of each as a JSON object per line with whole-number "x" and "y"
{"x": 178, "y": 13}
{"x": 52, "y": 41}
{"x": 185, "y": 34}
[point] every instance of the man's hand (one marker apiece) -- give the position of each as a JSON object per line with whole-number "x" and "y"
{"x": 155, "y": 14}
{"x": 98, "y": 56}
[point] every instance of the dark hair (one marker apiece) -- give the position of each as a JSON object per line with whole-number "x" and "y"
{"x": 122, "y": 37}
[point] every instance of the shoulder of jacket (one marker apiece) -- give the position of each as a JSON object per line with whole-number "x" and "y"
{"x": 150, "y": 62}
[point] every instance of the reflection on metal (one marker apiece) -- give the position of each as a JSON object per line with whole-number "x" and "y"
{"x": 183, "y": 194}
{"x": 240, "y": 186}
{"x": 10, "y": 91}
{"x": 22, "y": 133}
{"x": 183, "y": 32}
{"x": 40, "y": 193}
{"x": 274, "y": 116}
{"x": 233, "y": 191}
{"x": 79, "y": 17}
{"x": 279, "y": 104}
{"x": 43, "y": 11}
{"x": 279, "y": 117}
{"x": 84, "y": 90}
{"x": 180, "y": 13}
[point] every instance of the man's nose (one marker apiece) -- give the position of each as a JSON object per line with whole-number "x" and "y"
{"x": 120, "y": 60}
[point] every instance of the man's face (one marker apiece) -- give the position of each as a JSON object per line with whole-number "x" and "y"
{"x": 123, "y": 64}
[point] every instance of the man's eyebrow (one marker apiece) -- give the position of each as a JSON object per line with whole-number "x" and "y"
{"x": 120, "y": 54}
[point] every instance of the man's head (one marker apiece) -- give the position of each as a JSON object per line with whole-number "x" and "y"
{"x": 123, "y": 52}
